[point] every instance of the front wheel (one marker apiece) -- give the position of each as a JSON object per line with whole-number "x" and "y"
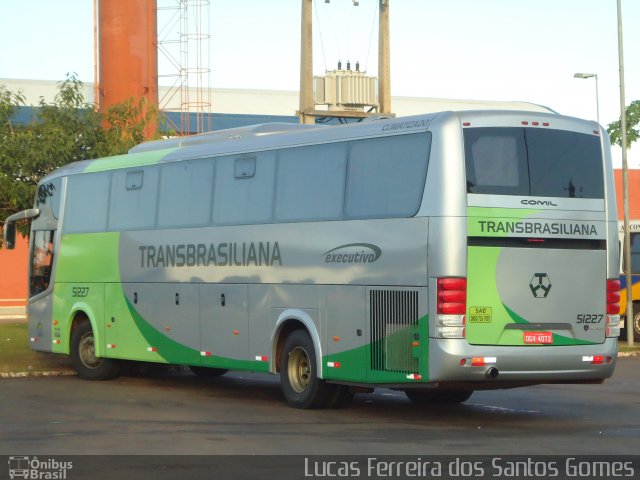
{"x": 299, "y": 375}
{"x": 438, "y": 397}
{"x": 84, "y": 359}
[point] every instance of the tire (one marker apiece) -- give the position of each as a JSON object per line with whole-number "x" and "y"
{"x": 438, "y": 397}
{"x": 83, "y": 356}
{"x": 206, "y": 372}
{"x": 299, "y": 375}
{"x": 636, "y": 323}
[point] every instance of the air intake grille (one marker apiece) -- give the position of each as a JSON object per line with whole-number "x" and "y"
{"x": 394, "y": 319}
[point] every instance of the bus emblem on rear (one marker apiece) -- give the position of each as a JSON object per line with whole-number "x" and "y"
{"x": 540, "y": 285}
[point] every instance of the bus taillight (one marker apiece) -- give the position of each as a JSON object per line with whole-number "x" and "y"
{"x": 613, "y": 308}
{"x": 452, "y": 307}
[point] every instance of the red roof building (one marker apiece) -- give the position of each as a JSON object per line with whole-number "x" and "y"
{"x": 634, "y": 194}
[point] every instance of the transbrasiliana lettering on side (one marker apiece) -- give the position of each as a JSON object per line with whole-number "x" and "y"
{"x": 210, "y": 254}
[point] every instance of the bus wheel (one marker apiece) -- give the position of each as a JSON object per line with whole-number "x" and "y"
{"x": 438, "y": 397}
{"x": 299, "y": 374}
{"x": 83, "y": 356}
{"x": 636, "y": 323}
{"x": 206, "y": 372}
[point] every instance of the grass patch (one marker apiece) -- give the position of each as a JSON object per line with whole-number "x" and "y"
{"x": 624, "y": 348}
{"x": 17, "y": 357}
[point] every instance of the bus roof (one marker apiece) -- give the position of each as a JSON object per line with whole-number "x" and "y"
{"x": 274, "y": 135}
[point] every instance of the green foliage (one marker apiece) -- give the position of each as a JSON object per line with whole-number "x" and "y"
{"x": 67, "y": 130}
{"x": 126, "y": 124}
{"x": 633, "y": 124}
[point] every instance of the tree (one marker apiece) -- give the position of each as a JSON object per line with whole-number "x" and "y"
{"x": 67, "y": 130}
{"x": 124, "y": 124}
{"x": 633, "y": 121}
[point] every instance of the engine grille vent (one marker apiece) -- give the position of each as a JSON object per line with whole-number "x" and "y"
{"x": 394, "y": 320}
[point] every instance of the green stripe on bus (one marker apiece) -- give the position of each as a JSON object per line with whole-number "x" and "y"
{"x": 128, "y": 160}
{"x": 177, "y": 353}
{"x": 557, "y": 339}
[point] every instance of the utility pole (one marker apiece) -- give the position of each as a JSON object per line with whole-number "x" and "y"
{"x": 352, "y": 100}
{"x": 384, "y": 62}
{"x": 625, "y": 183}
{"x": 307, "y": 104}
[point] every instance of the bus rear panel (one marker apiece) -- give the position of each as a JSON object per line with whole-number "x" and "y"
{"x": 542, "y": 295}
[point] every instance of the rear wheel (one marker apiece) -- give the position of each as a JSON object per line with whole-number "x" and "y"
{"x": 436, "y": 397}
{"x": 636, "y": 322}
{"x": 84, "y": 359}
{"x": 206, "y": 372}
{"x": 299, "y": 375}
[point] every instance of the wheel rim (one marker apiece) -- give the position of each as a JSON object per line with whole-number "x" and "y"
{"x": 636, "y": 322}
{"x": 299, "y": 370}
{"x": 87, "y": 351}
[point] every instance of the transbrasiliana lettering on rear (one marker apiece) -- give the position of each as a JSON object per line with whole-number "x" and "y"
{"x": 537, "y": 228}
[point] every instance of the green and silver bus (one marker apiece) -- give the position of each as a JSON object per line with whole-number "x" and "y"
{"x": 436, "y": 254}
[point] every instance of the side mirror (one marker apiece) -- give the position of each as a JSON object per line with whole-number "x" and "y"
{"x": 9, "y": 233}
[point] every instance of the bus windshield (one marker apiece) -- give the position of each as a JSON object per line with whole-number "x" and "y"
{"x": 533, "y": 162}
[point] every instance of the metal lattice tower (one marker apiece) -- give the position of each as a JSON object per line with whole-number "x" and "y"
{"x": 184, "y": 41}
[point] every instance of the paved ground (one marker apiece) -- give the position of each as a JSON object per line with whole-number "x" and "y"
{"x": 176, "y": 413}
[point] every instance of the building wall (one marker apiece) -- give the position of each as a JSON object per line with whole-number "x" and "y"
{"x": 13, "y": 278}
{"x": 634, "y": 194}
{"x": 270, "y": 102}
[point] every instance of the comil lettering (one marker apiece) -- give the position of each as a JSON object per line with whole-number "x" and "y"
{"x": 538, "y": 203}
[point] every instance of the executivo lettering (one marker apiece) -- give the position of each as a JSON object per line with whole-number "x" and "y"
{"x": 353, "y": 253}
{"x": 224, "y": 254}
{"x": 537, "y": 228}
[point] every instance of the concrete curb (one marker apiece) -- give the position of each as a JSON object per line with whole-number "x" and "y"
{"x": 12, "y": 319}
{"x": 628, "y": 354}
{"x": 13, "y": 311}
{"x": 52, "y": 373}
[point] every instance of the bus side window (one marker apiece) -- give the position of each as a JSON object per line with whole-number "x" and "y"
{"x": 49, "y": 194}
{"x": 87, "y": 203}
{"x": 310, "y": 184}
{"x": 185, "y": 194}
{"x": 243, "y": 192}
{"x": 132, "y": 201}
{"x": 41, "y": 261}
{"x": 386, "y": 176}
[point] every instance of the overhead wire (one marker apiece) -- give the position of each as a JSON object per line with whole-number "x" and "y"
{"x": 373, "y": 25}
{"x": 324, "y": 58}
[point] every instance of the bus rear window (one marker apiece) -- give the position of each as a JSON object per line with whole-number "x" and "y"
{"x": 533, "y": 162}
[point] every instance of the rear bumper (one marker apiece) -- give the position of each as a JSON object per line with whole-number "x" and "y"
{"x": 539, "y": 364}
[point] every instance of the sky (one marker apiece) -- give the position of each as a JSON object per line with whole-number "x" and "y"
{"x": 524, "y": 50}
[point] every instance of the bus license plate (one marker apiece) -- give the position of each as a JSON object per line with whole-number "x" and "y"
{"x": 538, "y": 338}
